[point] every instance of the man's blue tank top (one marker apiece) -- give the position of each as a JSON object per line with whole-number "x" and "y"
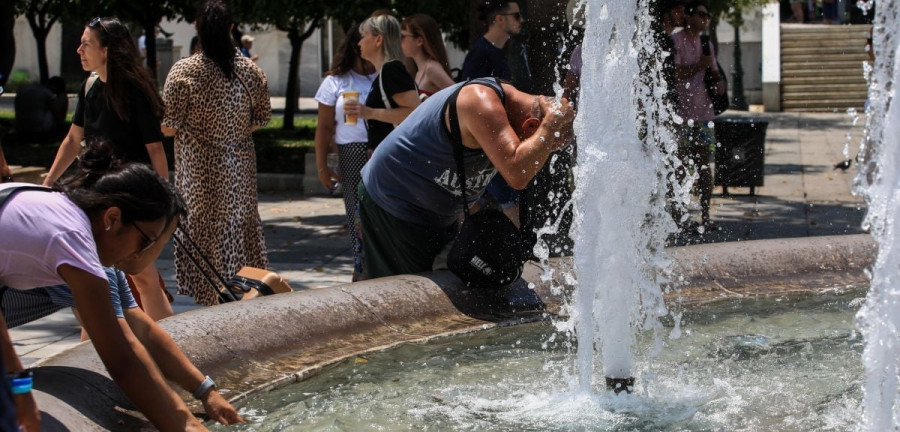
{"x": 412, "y": 174}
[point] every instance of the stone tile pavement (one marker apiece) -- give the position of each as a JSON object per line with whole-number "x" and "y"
{"x": 307, "y": 243}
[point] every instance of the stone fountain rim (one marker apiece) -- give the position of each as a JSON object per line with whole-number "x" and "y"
{"x": 384, "y": 313}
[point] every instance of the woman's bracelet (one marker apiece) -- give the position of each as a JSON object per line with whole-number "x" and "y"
{"x": 21, "y": 382}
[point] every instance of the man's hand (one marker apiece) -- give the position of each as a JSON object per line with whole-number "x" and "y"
{"x": 219, "y": 409}
{"x": 557, "y": 122}
{"x": 27, "y": 413}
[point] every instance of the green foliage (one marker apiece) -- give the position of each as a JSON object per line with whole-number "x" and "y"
{"x": 732, "y": 11}
{"x": 284, "y": 15}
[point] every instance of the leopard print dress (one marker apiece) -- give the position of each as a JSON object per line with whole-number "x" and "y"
{"x": 215, "y": 165}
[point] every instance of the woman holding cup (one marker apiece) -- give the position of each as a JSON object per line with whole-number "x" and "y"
{"x": 349, "y": 80}
{"x": 393, "y": 94}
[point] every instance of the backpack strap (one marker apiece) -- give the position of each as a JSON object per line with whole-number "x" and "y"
{"x": 89, "y": 84}
{"x": 7, "y": 193}
{"x": 456, "y": 133}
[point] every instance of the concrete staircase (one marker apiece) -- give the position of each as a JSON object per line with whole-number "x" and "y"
{"x": 822, "y": 67}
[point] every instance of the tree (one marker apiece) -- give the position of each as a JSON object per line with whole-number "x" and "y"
{"x": 148, "y": 14}
{"x": 299, "y": 19}
{"x": 7, "y": 40}
{"x": 732, "y": 11}
{"x": 41, "y": 15}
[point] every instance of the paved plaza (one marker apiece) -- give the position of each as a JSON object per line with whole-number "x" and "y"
{"x": 307, "y": 242}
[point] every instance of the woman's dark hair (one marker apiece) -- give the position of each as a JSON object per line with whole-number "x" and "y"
{"x": 347, "y": 54}
{"x": 424, "y": 26}
{"x": 104, "y": 181}
{"x": 488, "y": 9}
{"x": 124, "y": 68}
{"x": 214, "y": 28}
{"x": 690, "y": 7}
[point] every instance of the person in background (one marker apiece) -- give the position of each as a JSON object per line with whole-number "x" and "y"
{"x": 41, "y": 109}
{"x": 119, "y": 102}
{"x": 422, "y": 41}
{"x": 694, "y": 104}
{"x": 487, "y": 59}
{"x": 393, "y": 94}
{"x": 214, "y": 152}
{"x": 109, "y": 214}
{"x": 246, "y": 46}
{"x": 348, "y": 73}
{"x": 797, "y": 14}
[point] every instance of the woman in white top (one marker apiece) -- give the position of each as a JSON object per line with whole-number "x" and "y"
{"x": 108, "y": 215}
{"x": 349, "y": 72}
{"x": 422, "y": 41}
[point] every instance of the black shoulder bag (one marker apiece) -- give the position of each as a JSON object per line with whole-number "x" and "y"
{"x": 487, "y": 252}
{"x": 719, "y": 102}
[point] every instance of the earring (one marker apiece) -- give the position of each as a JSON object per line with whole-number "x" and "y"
{"x": 108, "y": 227}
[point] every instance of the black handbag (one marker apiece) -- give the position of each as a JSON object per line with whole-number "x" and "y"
{"x": 719, "y": 102}
{"x": 488, "y": 250}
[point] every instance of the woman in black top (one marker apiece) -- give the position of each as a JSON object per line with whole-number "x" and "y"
{"x": 380, "y": 44}
{"x": 119, "y": 102}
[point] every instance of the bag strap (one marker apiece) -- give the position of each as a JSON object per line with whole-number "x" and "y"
{"x": 225, "y": 295}
{"x": 456, "y": 137}
{"x": 8, "y": 192}
{"x": 456, "y": 133}
{"x": 384, "y": 98}
{"x": 89, "y": 84}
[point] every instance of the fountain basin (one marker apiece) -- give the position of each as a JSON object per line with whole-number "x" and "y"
{"x": 254, "y": 347}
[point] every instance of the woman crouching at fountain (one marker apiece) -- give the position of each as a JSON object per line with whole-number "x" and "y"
{"x": 109, "y": 214}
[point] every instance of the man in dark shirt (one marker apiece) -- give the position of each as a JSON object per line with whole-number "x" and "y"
{"x": 487, "y": 59}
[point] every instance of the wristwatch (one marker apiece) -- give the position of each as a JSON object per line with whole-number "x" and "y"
{"x": 6, "y": 179}
{"x": 204, "y": 387}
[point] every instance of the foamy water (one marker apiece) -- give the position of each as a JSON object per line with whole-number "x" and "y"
{"x": 879, "y": 181}
{"x": 620, "y": 218}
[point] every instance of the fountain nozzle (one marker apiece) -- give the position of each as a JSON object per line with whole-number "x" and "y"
{"x": 620, "y": 385}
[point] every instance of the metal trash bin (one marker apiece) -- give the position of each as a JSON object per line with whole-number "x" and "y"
{"x": 740, "y": 152}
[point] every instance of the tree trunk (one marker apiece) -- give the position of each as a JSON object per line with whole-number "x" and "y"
{"x": 41, "y": 39}
{"x": 7, "y": 41}
{"x": 292, "y": 95}
{"x": 293, "y": 85}
{"x": 40, "y": 28}
{"x": 150, "y": 44}
{"x": 738, "y": 101}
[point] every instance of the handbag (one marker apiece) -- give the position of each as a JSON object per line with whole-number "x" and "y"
{"x": 248, "y": 283}
{"x": 719, "y": 102}
{"x": 488, "y": 250}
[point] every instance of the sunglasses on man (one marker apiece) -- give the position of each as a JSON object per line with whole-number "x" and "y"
{"x": 516, "y": 15}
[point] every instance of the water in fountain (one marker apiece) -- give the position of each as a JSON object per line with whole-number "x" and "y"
{"x": 620, "y": 216}
{"x": 879, "y": 181}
